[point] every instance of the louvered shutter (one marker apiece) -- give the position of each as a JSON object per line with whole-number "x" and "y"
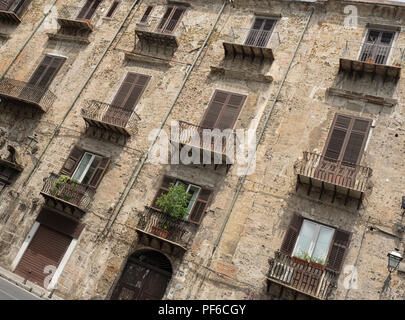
{"x": 200, "y": 205}
{"x": 338, "y": 250}
{"x": 291, "y": 235}
{"x": 171, "y": 25}
{"x": 260, "y": 32}
{"x": 46, "y": 71}
{"x": 19, "y": 6}
{"x": 164, "y": 188}
{"x": 214, "y": 109}
{"x": 112, "y": 9}
{"x": 99, "y": 172}
{"x": 147, "y": 13}
{"x": 165, "y": 18}
{"x": 5, "y": 4}
{"x": 72, "y": 161}
{"x": 337, "y": 137}
{"x": 356, "y": 141}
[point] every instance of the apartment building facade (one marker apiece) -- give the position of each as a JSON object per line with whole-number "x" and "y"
{"x": 85, "y": 88}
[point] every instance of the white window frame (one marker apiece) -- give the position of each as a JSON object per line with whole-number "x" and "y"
{"x": 93, "y": 156}
{"x": 190, "y": 185}
{"x": 314, "y": 237}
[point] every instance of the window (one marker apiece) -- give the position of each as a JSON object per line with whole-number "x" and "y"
{"x": 314, "y": 240}
{"x": 200, "y": 197}
{"x": 86, "y": 168}
{"x": 16, "y": 6}
{"x": 260, "y": 32}
{"x": 377, "y": 47}
{"x": 191, "y": 189}
{"x": 89, "y": 9}
{"x": 170, "y": 19}
{"x": 113, "y": 7}
{"x": 223, "y": 110}
{"x": 46, "y": 71}
{"x": 146, "y": 15}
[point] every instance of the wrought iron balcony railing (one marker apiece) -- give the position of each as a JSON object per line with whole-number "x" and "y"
{"x": 160, "y": 224}
{"x": 369, "y": 57}
{"x": 304, "y": 278}
{"x": 105, "y": 115}
{"x": 159, "y": 31}
{"x": 77, "y": 17}
{"x": 8, "y": 171}
{"x": 251, "y": 43}
{"x": 71, "y": 194}
{"x": 335, "y": 172}
{"x": 17, "y": 90}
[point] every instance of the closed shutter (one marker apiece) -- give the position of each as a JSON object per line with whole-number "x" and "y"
{"x": 47, "y": 248}
{"x": 164, "y": 188}
{"x": 170, "y": 19}
{"x": 19, "y": 6}
{"x": 5, "y": 4}
{"x": 88, "y": 9}
{"x": 62, "y": 224}
{"x": 145, "y": 16}
{"x": 338, "y": 250}
{"x": 165, "y": 18}
{"x": 126, "y": 99}
{"x": 291, "y": 235}
{"x": 347, "y": 139}
{"x": 201, "y": 204}
{"x": 99, "y": 173}
{"x": 72, "y": 161}
{"x": 260, "y": 32}
{"x": 223, "y": 110}
{"x": 46, "y": 71}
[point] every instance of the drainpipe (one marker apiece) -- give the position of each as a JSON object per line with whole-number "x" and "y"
{"x": 145, "y": 157}
{"x": 28, "y": 40}
{"x": 243, "y": 178}
{"x": 56, "y": 131}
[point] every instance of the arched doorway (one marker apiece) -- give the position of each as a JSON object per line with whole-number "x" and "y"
{"x": 145, "y": 277}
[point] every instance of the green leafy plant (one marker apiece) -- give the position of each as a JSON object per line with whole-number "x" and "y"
{"x": 303, "y": 255}
{"x": 175, "y": 202}
{"x": 60, "y": 182}
{"x": 318, "y": 260}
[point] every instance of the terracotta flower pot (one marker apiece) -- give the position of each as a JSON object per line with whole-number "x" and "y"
{"x": 160, "y": 232}
{"x": 300, "y": 261}
{"x": 369, "y": 60}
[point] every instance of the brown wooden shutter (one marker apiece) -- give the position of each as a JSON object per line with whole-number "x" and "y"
{"x": 165, "y": 18}
{"x": 99, "y": 172}
{"x": 223, "y": 110}
{"x": 72, "y": 161}
{"x": 5, "y": 4}
{"x": 89, "y": 9}
{"x": 46, "y": 71}
{"x": 164, "y": 188}
{"x": 131, "y": 90}
{"x": 174, "y": 20}
{"x": 200, "y": 205}
{"x": 112, "y": 9}
{"x": 291, "y": 235}
{"x": 147, "y": 13}
{"x": 338, "y": 250}
{"x": 20, "y": 6}
{"x": 347, "y": 139}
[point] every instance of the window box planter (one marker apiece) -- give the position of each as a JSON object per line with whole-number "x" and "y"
{"x": 317, "y": 265}
{"x": 370, "y": 60}
{"x": 300, "y": 261}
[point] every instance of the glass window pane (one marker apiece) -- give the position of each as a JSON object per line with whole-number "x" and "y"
{"x": 77, "y": 175}
{"x": 194, "y": 191}
{"x": 91, "y": 170}
{"x": 322, "y": 244}
{"x": 305, "y": 238}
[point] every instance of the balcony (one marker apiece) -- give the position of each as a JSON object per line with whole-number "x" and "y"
{"x": 14, "y": 13}
{"x": 71, "y": 17}
{"x": 152, "y": 33}
{"x": 251, "y": 43}
{"x": 213, "y": 146}
{"x": 22, "y": 92}
{"x": 305, "y": 279}
{"x": 372, "y": 58}
{"x": 8, "y": 171}
{"x": 66, "y": 195}
{"x": 110, "y": 118}
{"x": 348, "y": 179}
{"x": 156, "y": 229}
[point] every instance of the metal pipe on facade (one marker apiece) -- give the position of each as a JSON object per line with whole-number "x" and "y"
{"x": 145, "y": 157}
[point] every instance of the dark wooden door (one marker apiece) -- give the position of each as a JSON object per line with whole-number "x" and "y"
{"x": 377, "y": 46}
{"x": 141, "y": 281}
{"x": 47, "y": 248}
{"x": 260, "y": 32}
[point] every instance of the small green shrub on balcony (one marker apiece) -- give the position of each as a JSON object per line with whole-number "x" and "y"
{"x": 175, "y": 202}
{"x": 60, "y": 183}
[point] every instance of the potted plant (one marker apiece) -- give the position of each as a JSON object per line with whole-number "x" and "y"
{"x": 370, "y": 60}
{"x": 396, "y": 64}
{"x": 174, "y": 205}
{"x": 301, "y": 258}
{"x": 317, "y": 263}
{"x": 60, "y": 182}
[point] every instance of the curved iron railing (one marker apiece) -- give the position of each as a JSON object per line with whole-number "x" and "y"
{"x": 304, "y": 277}
{"x": 156, "y": 222}
{"x": 339, "y": 173}
{"x": 31, "y": 94}
{"x": 71, "y": 192}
